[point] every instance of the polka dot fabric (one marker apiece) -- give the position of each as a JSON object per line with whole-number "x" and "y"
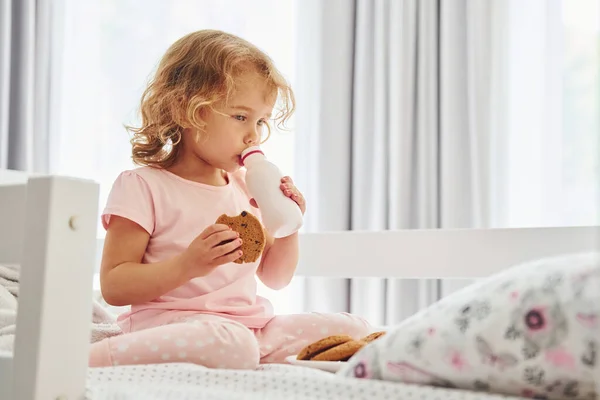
{"x": 268, "y": 382}
{"x": 216, "y": 342}
{"x": 531, "y": 331}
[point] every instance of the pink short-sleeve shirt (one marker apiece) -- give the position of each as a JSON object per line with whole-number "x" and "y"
{"x": 174, "y": 211}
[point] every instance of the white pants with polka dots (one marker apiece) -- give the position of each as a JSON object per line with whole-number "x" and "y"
{"x": 218, "y": 342}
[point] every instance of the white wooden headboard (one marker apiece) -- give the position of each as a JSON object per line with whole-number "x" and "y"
{"x": 437, "y": 253}
{"x": 49, "y": 228}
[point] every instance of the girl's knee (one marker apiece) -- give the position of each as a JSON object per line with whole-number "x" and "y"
{"x": 243, "y": 352}
{"x": 353, "y": 325}
{"x": 230, "y": 346}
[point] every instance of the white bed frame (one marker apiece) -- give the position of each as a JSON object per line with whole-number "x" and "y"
{"x": 49, "y": 227}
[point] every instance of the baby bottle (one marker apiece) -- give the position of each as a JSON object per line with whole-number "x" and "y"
{"x": 281, "y": 215}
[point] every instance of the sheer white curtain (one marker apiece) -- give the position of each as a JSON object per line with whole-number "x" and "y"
{"x": 396, "y": 105}
{"x": 109, "y": 50}
{"x": 27, "y": 70}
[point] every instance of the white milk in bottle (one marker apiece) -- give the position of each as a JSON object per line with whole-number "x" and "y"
{"x": 281, "y": 215}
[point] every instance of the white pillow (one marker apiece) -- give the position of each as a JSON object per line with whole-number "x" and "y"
{"x": 532, "y": 330}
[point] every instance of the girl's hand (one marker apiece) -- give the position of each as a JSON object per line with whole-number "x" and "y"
{"x": 290, "y": 190}
{"x": 215, "y": 246}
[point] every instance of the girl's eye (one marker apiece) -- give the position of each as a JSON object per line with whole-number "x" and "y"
{"x": 261, "y": 122}
{"x": 240, "y": 117}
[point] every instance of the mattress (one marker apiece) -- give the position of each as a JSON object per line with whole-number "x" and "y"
{"x": 273, "y": 381}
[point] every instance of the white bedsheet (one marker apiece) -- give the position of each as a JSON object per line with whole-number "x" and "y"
{"x": 269, "y": 382}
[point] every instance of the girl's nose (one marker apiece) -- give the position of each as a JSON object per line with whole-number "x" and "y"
{"x": 252, "y": 137}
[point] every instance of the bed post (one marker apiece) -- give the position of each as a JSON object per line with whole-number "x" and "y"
{"x": 55, "y": 303}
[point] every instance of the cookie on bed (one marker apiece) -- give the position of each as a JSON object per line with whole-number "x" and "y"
{"x": 251, "y": 232}
{"x": 313, "y": 349}
{"x": 373, "y": 336}
{"x": 343, "y": 352}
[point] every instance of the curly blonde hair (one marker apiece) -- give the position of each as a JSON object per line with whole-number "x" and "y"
{"x": 196, "y": 72}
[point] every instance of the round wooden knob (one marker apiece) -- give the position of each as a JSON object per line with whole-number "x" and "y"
{"x": 74, "y": 223}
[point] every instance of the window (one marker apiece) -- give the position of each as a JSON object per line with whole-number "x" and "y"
{"x": 553, "y": 114}
{"x": 581, "y": 111}
{"x": 109, "y": 50}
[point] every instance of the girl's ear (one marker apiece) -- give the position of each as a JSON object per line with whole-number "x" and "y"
{"x": 199, "y": 119}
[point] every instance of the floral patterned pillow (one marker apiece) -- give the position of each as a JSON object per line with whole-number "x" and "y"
{"x": 532, "y": 331}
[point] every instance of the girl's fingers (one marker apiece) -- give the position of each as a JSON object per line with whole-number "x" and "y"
{"x": 212, "y": 229}
{"x": 226, "y": 248}
{"x": 229, "y": 257}
{"x": 219, "y": 238}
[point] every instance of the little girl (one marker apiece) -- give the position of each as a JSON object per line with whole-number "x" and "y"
{"x": 211, "y": 98}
